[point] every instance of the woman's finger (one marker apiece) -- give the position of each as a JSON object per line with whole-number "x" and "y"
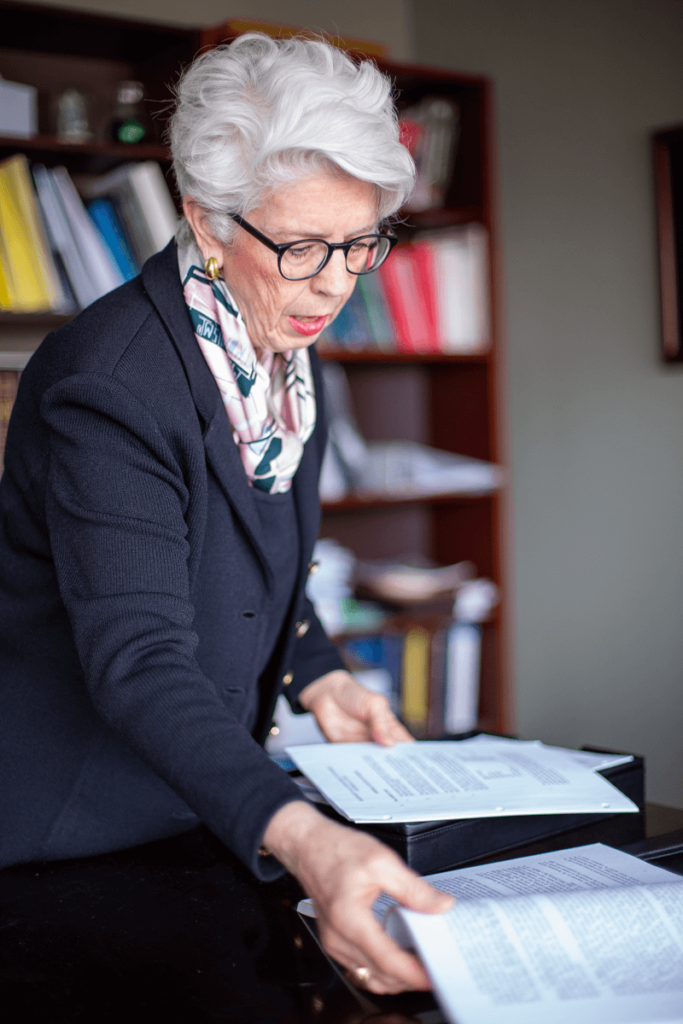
{"x": 383, "y": 725}
{"x": 365, "y": 944}
{"x": 413, "y": 892}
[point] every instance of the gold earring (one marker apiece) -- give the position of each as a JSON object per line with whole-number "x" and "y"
{"x": 211, "y": 268}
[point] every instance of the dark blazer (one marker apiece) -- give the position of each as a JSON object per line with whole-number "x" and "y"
{"x": 124, "y": 507}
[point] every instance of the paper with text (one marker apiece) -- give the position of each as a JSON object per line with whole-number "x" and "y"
{"x": 588, "y": 934}
{"x": 434, "y": 780}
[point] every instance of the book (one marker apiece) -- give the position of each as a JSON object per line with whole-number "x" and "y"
{"x": 455, "y": 779}
{"x": 407, "y": 280}
{"x": 461, "y": 677}
{"x": 370, "y": 289}
{"x": 5, "y": 295}
{"x": 351, "y": 328}
{"x": 102, "y": 271}
{"x": 62, "y": 232}
{"x": 415, "y": 677}
{"x": 430, "y": 130}
{"x": 588, "y": 934}
{"x": 143, "y": 204}
{"x": 30, "y": 280}
{"x": 9, "y": 382}
{"x": 111, "y": 232}
{"x": 460, "y": 269}
{"x": 382, "y": 652}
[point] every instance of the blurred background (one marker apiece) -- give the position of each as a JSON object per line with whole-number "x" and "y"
{"x": 589, "y": 419}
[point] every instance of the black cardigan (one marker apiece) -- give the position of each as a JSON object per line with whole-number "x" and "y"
{"x": 124, "y": 506}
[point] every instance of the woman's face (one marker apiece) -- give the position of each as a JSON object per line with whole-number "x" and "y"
{"x": 281, "y": 314}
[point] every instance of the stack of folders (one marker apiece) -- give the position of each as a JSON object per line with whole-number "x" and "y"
{"x": 429, "y": 297}
{"x": 59, "y": 253}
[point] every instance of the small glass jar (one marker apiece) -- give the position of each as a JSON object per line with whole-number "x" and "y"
{"x": 72, "y": 117}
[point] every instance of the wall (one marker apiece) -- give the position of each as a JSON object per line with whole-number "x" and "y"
{"x": 384, "y": 21}
{"x": 596, "y": 423}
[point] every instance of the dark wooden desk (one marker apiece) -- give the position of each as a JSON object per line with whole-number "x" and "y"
{"x": 180, "y": 931}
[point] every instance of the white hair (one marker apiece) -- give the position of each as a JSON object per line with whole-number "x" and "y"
{"x": 262, "y": 112}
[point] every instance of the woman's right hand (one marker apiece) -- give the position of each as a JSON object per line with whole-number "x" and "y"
{"x": 344, "y": 871}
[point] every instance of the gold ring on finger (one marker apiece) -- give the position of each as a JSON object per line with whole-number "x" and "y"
{"x": 361, "y": 975}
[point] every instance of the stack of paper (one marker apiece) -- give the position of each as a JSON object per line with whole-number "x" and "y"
{"x": 588, "y": 934}
{"x": 478, "y": 778}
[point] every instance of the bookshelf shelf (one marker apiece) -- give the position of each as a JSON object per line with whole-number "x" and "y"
{"x": 356, "y": 502}
{"x": 443, "y": 217}
{"x": 347, "y": 355}
{"x": 40, "y": 144}
{"x": 47, "y": 320}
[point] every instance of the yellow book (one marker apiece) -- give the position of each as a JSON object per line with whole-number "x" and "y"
{"x": 30, "y": 278}
{"x": 5, "y": 297}
{"x": 415, "y": 678}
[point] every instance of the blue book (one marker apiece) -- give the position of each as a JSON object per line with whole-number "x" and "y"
{"x": 384, "y": 651}
{"x": 369, "y": 288}
{"x": 107, "y": 223}
{"x": 352, "y": 328}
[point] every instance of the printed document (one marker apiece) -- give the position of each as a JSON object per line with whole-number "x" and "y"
{"x": 438, "y": 781}
{"x": 588, "y": 935}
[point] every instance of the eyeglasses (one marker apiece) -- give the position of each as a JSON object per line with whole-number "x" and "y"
{"x": 306, "y": 257}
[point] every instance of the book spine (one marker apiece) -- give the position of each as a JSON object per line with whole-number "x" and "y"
{"x": 415, "y": 680}
{"x": 23, "y": 262}
{"x": 427, "y": 335}
{"x": 107, "y": 223}
{"x": 392, "y": 274}
{"x": 379, "y": 320}
{"x": 62, "y": 232}
{"x": 392, "y": 657}
{"x": 37, "y": 236}
{"x": 462, "y": 677}
{"x": 352, "y": 328}
{"x": 104, "y": 273}
{"x": 437, "y": 683}
{"x": 156, "y": 204}
{"x": 461, "y": 275}
{"x": 9, "y": 383}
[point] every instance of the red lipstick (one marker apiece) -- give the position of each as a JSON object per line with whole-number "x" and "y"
{"x": 309, "y": 328}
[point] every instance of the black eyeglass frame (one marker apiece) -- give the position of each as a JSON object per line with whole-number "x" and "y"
{"x": 280, "y": 250}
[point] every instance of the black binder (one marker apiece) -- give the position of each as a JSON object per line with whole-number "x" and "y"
{"x": 429, "y": 846}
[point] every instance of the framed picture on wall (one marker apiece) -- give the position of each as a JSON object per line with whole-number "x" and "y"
{"x": 668, "y": 152}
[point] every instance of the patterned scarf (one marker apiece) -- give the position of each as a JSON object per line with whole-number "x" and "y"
{"x": 269, "y": 396}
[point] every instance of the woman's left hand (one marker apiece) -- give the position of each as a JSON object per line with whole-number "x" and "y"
{"x": 348, "y": 713}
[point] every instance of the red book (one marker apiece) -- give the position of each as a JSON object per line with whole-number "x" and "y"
{"x": 427, "y": 329}
{"x": 409, "y": 286}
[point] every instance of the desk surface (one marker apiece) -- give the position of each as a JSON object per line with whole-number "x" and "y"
{"x": 179, "y": 930}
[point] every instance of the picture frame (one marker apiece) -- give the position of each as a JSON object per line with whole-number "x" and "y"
{"x": 668, "y": 160}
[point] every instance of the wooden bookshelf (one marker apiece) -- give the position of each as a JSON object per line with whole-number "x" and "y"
{"x": 372, "y": 355}
{"x": 449, "y": 401}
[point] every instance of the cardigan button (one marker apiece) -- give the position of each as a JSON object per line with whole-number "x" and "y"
{"x": 287, "y": 678}
{"x": 302, "y": 628}
{"x": 313, "y": 568}
{"x": 274, "y": 731}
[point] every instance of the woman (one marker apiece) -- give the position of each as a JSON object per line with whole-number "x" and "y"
{"x": 159, "y": 506}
